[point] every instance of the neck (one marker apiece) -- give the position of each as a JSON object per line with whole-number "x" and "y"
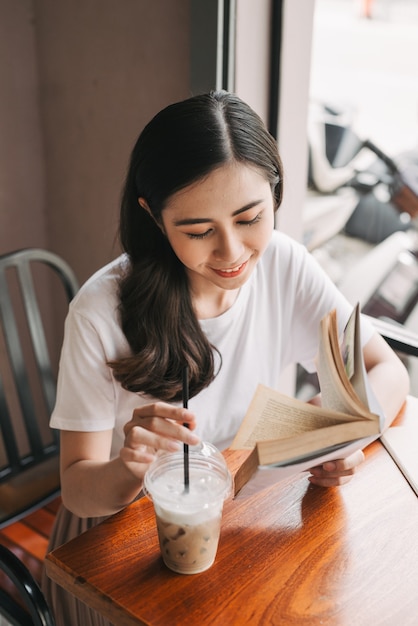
{"x": 213, "y": 305}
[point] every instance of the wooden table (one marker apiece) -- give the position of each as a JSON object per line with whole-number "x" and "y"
{"x": 292, "y": 554}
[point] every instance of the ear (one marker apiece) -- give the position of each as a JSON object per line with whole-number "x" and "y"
{"x": 144, "y": 205}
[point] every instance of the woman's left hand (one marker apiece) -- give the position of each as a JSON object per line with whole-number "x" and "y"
{"x": 338, "y": 472}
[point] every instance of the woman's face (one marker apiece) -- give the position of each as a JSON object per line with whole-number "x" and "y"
{"x": 220, "y": 226}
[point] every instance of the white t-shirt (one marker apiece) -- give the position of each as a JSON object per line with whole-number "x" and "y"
{"x": 274, "y": 322}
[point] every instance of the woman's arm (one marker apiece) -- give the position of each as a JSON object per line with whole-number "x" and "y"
{"x": 387, "y": 375}
{"x": 390, "y": 383}
{"x": 92, "y": 485}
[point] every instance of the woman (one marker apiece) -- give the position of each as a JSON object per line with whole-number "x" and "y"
{"x": 205, "y": 281}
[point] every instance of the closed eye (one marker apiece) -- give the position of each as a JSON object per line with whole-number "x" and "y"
{"x": 199, "y": 235}
{"x": 256, "y": 219}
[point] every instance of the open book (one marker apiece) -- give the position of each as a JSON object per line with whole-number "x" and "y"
{"x": 286, "y": 433}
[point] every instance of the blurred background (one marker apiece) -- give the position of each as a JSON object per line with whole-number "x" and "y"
{"x": 364, "y": 87}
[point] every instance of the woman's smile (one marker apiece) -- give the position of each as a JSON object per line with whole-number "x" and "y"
{"x": 231, "y": 273}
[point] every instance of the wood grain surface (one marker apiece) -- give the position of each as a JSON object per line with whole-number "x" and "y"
{"x": 292, "y": 554}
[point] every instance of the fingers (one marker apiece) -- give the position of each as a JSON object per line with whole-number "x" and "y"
{"x": 166, "y": 411}
{"x": 158, "y": 434}
{"x": 152, "y": 424}
{"x": 335, "y": 473}
{"x": 137, "y": 459}
{"x": 154, "y": 427}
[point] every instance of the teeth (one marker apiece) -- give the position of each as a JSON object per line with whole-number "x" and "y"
{"x": 234, "y": 269}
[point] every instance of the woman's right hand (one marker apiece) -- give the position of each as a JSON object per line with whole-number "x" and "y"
{"x": 154, "y": 427}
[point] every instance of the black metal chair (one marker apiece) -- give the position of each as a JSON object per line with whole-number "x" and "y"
{"x": 35, "y": 289}
{"x": 34, "y": 610}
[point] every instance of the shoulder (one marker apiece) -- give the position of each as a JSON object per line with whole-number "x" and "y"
{"x": 101, "y": 291}
{"x": 93, "y": 323}
{"x": 289, "y": 270}
{"x": 285, "y": 256}
{"x": 285, "y": 247}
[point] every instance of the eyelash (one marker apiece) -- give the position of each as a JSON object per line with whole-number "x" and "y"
{"x": 256, "y": 219}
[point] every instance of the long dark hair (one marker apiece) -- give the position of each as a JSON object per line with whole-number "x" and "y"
{"x": 180, "y": 145}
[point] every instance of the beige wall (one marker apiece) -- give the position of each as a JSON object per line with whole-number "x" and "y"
{"x": 22, "y": 183}
{"x": 78, "y": 81}
{"x": 252, "y": 53}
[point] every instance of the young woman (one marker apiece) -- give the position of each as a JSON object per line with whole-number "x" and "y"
{"x": 205, "y": 280}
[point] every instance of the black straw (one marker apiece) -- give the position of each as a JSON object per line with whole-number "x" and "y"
{"x": 185, "y": 445}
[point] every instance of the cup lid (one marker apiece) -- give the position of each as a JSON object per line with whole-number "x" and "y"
{"x": 209, "y": 476}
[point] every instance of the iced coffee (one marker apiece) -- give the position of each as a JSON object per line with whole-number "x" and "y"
{"x": 189, "y": 519}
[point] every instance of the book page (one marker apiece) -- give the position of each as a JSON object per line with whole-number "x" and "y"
{"x": 272, "y": 415}
{"x": 266, "y": 476}
{"x": 331, "y": 327}
{"x": 352, "y": 354}
{"x": 333, "y": 364}
{"x": 336, "y": 390}
{"x": 314, "y": 443}
{"x": 348, "y": 345}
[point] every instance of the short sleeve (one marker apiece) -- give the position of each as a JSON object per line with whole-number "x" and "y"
{"x": 85, "y": 391}
{"x": 309, "y": 295}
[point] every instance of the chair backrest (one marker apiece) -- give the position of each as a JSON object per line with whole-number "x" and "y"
{"x": 32, "y": 609}
{"x": 35, "y": 289}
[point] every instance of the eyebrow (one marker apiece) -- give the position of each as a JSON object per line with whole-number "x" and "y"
{"x": 204, "y": 220}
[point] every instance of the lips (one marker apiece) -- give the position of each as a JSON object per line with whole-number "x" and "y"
{"x": 231, "y": 273}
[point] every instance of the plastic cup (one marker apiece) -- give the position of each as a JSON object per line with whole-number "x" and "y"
{"x": 189, "y": 519}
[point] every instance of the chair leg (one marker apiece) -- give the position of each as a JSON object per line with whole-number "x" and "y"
{"x": 30, "y": 593}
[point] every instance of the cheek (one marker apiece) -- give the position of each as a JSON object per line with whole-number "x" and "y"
{"x": 262, "y": 237}
{"x": 186, "y": 250}
{"x": 186, "y": 257}
{"x": 271, "y": 217}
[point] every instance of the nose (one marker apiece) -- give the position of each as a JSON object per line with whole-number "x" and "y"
{"x": 229, "y": 247}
